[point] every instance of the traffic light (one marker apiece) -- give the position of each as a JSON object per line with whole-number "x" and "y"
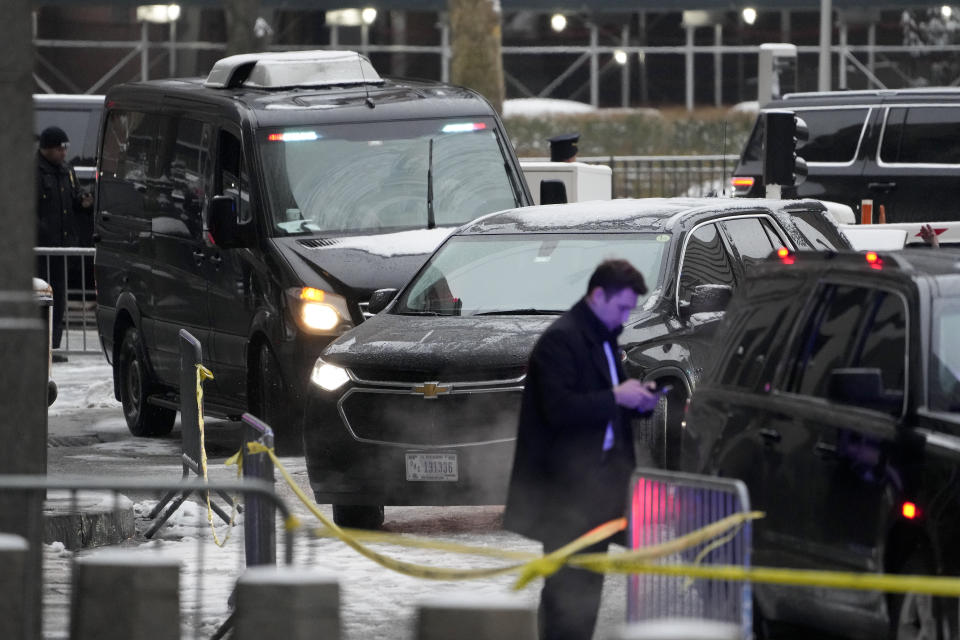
{"x": 783, "y": 132}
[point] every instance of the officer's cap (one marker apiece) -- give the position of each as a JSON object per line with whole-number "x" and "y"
{"x": 53, "y": 137}
{"x": 563, "y": 147}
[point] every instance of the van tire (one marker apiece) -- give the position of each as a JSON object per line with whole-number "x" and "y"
{"x": 273, "y": 403}
{"x": 136, "y": 385}
{"x": 358, "y": 516}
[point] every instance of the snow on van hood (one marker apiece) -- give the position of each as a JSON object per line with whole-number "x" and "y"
{"x": 368, "y": 262}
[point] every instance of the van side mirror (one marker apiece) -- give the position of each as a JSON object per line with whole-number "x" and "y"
{"x": 553, "y": 192}
{"x": 707, "y": 298}
{"x": 862, "y": 387}
{"x": 225, "y": 229}
{"x": 380, "y": 300}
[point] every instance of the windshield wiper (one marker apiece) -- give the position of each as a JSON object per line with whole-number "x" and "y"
{"x": 521, "y": 312}
{"x": 414, "y": 312}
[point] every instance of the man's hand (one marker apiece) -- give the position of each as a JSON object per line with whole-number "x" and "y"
{"x": 634, "y": 394}
{"x": 929, "y": 236}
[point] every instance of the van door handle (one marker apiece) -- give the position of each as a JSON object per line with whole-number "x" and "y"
{"x": 825, "y": 450}
{"x": 770, "y": 435}
{"x": 882, "y": 186}
{"x": 216, "y": 260}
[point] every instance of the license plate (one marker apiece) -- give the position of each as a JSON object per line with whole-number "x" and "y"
{"x": 432, "y": 467}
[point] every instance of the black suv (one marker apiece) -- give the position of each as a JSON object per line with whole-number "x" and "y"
{"x": 900, "y": 149}
{"x": 260, "y": 207}
{"x": 835, "y": 396}
{"x": 419, "y": 404}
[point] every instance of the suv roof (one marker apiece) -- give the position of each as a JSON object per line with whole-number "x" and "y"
{"x": 644, "y": 214}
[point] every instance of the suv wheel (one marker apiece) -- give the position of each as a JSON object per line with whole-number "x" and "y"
{"x": 658, "y": 434}
{"x": 143, "y": 419}
{"x": 358, "y": 516}
{"x": 919, "y": 616}
{"x": 272, "y": 403}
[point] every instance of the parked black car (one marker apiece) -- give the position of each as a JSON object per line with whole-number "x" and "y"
{"x": 900, "y": 149}
{"x": 835, "y": 396}
{"x": 419, "y": 404}
{"x": 260, "y": 207}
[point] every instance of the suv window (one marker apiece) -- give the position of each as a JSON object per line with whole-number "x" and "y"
{"x": 852, "y": 327}
{"x": 834, "y": 135}
{"x": 752, "y": 238}
{"x": 945, "y": 357}
{"x": 705, "y": 261}
{"x": 921, "y": 135}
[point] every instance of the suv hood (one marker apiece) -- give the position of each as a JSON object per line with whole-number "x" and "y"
{"x": 363, "y": 263}
{"x": 438, "y": 345}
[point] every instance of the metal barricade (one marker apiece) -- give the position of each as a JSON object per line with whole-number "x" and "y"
{"x": 73, "y": 266}
{"x": 666, "y": 505}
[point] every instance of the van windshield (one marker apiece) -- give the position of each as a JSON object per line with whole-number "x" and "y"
{"x": 384, "y": 177}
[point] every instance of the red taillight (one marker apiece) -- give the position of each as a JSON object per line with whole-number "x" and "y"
{"x": 785, "y": 256}
{"x": 909, "y": 510}
{"x": 874, "y": 260}
{"x": 741, "y": 182}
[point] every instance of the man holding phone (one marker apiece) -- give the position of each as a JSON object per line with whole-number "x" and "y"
{"x": 574, "y": 451}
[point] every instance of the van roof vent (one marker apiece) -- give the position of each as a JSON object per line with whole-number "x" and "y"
{"x": 292, "y": 69}
{"x": 314, "y": 243}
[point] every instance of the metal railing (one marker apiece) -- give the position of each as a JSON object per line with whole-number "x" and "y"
{"x": 74, "y": 266}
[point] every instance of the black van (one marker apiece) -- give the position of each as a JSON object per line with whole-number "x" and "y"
{"x": 259, "y": 209}
{"x": 834, "y": 394}
{"x": 900, "y": 149}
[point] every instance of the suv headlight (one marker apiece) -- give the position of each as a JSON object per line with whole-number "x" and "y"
{"x": 328, "y": 377}
{"x": 319, "y": 311}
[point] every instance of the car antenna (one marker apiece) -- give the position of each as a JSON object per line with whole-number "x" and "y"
{"x": 431, "y": 218}
{"x": 723, "y": 161}
{"x": 366, "y": 87}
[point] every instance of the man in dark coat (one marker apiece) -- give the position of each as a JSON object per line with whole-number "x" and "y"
{"x": 59, "y": 201}
{"x": 574, "y": 451}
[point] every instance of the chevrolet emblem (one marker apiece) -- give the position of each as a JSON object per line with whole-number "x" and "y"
{"x": 430, "y": 390}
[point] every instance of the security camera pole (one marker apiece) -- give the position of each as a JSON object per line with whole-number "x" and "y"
{"x": 23, "y": 340}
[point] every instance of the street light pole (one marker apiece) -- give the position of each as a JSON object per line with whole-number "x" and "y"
{"x": 826, "y": 27}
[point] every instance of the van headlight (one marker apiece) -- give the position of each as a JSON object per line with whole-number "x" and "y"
{"x": 328, "y": 377}
{"x": 319, "y": 311}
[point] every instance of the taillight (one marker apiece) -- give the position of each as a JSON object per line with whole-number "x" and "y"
{"x": 909, "y": 510}
{"x": 742, "y": 183}
{"x": 785, "y": 256}
{"x": 875, "y": 261}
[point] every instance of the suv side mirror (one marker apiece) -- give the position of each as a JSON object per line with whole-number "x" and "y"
{"x": 225, "y": 229}
{"x": 380, "y": 300}
{"x": 706, "y": 298}
{"x": 553, "y": 192}
{"x": 862, "y": 387}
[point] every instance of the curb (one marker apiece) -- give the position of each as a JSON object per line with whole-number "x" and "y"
{"x": 87, "y": 519}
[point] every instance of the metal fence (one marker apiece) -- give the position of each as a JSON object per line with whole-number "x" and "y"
{"x": 667, "y": 505}
{"x": 74, "y": 265}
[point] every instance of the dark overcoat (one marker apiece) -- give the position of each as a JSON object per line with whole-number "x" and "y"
{"x": 563, "y": 484}
{"x": 58, "y": 204}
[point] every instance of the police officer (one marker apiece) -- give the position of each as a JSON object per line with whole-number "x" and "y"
{"x": 563, "y": 148}
{"x": 59, "y": 201}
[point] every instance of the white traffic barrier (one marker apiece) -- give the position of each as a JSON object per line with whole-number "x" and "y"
{"x": 288, "y": 603}
{"x": 13, "y": 610}
{"x": 125, "y": 595}
{"x": 469, "y": 617}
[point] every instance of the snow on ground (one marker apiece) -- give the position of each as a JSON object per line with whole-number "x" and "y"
{"x": 375, "y": 603}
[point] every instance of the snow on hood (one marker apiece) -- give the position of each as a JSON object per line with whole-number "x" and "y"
{"x": 402, "y": 243}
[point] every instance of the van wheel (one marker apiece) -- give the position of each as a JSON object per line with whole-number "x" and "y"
{"x": 358, "y": 516}
{"x": 273, "y": 403}
{"x": 143, "y": 419}
{"x": 916, "y": 616}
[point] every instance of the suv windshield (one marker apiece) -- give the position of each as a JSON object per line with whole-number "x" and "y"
{"x": 944, "y": 386}
{"x": 384, "y": 176}
{"x": 523, "y": 274}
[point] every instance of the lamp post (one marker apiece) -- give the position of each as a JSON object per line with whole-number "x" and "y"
{"x": 148, "y": 14}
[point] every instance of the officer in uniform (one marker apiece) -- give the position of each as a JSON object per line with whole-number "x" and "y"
{"x": 59, "y": 201}
{"x": 563, "y": 148}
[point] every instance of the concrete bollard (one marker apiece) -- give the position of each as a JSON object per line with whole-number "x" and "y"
{"x": 13, "y": 577}
{"x": 679, "y": 629}
{"x": 288, "y": 603}
{"x": 467, "y": 616}
{"x": 125, "y": 595}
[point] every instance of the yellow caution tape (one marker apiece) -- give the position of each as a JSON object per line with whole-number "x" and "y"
{"x": 634, "y": 561}
{"x": 205, "y": 374}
